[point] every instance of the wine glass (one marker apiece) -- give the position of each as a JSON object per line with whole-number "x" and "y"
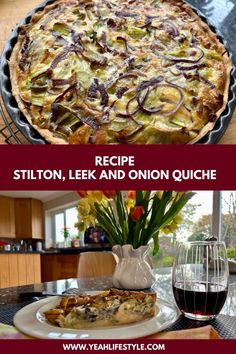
{"x": 200, "y": 279}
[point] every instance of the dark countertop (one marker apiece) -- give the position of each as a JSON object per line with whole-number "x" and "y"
{"x": 221, "y": 14}
{"x": 20, "y": 252}
{"x": 77, "y": 250}
{"x": 69, "y": 250}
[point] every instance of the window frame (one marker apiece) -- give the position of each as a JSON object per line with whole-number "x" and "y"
{"x": 216, "y": 215}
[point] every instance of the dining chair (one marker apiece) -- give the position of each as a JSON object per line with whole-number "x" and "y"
{"x": 92, "y": 264}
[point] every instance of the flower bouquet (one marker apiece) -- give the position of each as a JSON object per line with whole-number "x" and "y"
{"x": 65, "y": 231}
{"x": 131, "y": 217}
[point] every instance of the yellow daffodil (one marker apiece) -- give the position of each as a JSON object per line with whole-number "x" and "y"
{"x": 166, "y": 230}
{"x": 173, "y": 227}
{"x": 178, "y": 219}
{"x": 81, "y": 226}
{"x": 95, "y": 196}
{"x": 89, "y": 220}
{"x": 129, "y": 203}
{"x": 159, "y": 194}
{"x": 83, "y": 207}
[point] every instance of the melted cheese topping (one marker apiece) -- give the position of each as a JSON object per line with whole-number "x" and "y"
{"x": 140, "y": 72}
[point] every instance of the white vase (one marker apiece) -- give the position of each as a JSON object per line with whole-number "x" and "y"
{"x": 132, "y": 271}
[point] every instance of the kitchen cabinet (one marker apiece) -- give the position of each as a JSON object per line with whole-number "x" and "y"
{"x": 19, "y": 269}
{"x": 7, "y": 217}
{"x": 29, "y": 218}
{"x": 59, "y": 266}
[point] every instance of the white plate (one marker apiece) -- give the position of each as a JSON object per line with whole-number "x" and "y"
{"x": 31, "y": 321}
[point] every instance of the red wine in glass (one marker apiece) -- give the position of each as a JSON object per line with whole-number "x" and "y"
{"x": 198, "y": 301}
{"x": 200, "y": 278}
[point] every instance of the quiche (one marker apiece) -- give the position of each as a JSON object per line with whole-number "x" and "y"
{"x": 109, "y": 308}
{"x": 126, "y": 72}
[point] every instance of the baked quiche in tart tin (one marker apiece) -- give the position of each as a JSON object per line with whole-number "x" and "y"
{"x": 132, "y": 72}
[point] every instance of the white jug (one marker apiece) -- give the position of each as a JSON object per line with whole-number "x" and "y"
{"x": 132, "y": 271}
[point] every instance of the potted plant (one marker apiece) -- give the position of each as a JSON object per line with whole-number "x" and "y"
{"x": 130, "y": 221}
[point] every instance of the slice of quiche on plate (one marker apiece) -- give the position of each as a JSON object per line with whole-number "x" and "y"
{"x": 109, "y": 308}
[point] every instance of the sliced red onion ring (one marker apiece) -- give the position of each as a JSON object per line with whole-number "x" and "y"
{"x": 207, "y": 82}
{"x": 186, "y": 68}
{"x": 60, "y": 39}
{"x": 125, "y": 14}
{"x": 127, "y": 107}
{"x": 123, "y": 76}
{"x": 147, "y": 23}
{"x": 24, "y": 62}
{"x": 148, "y": 83}
{"x": 171, "y": 28}
{"x": 47, "y": 73}
{"x": 179, "y": 103}
{"x": 60, "y": 82}
{"x": 120, "y": 92}
{"x": 141, "y": 101}
{"x": 71, "y": 90}
{"x": 111, "y": 23}
{"x": 61, "y": 56}
{"x": 96, "y": 88}
{"x": 123, "y": 39}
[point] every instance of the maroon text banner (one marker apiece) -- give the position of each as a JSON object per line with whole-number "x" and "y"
{"x": 125, "y": 346}
{"x": 180, "y": 167}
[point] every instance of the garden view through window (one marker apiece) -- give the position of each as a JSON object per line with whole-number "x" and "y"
{"x": 195, "y": 225}
{"x": 228, "y": 222}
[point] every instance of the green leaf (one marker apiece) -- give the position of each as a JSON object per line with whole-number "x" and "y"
{"x": 122, "y": 216}
{"x": 139, "y": 198}
{"x": 108, "y": 223}
{"x": 158, "y": 209}
{"x": 176, "y": 207}
{"x": 156, "y": 243}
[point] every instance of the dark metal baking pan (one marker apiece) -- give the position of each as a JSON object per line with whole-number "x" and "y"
{"x": 34, "y": 137}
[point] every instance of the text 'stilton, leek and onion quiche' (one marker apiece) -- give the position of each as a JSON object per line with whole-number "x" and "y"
{"x": 111, "y": 72}
{"x": 109, "y": 308}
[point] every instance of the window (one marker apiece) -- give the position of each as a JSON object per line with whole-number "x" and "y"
{"x": 228, "y": 221}
{"x": 64, "y": 218}
{"x": 196, "y": 225}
